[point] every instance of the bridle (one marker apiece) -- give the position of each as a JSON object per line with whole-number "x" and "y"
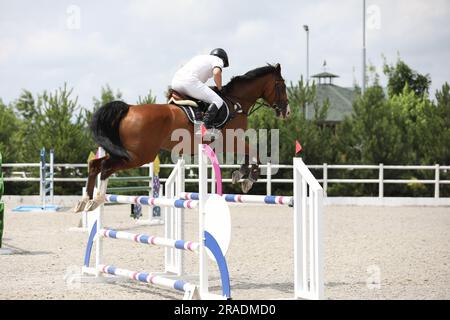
{"x": 279, "y": 83}
{"x": 277, "y": 91}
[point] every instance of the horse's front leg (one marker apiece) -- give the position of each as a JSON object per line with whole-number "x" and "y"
{"x": 108, "y": 167}
{"x": 99, "y": 198}
{"x": 93, "y": 170}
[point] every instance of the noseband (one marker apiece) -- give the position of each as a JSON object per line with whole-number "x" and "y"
{"x": 278, "y": 91}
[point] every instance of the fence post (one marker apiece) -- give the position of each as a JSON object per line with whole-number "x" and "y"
{"x": 42, "y": 176}
{"x": 325, "y": 179}
{"x": 213, "y": 180}
{"x": 381, "y": 181}
{"x": 436, "y": 181}
{"x": 52, "y": 175}
{"x": 269, "y": 179}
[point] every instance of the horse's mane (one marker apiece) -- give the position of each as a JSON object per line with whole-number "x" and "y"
{"x": 251, "y": 75}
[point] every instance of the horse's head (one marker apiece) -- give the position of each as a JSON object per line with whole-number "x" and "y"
{"x": 275, "y": 93}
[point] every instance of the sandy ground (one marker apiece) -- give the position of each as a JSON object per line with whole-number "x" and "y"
{"x": 370, "y": 253}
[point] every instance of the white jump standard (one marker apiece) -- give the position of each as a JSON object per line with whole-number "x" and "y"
{"x": 307, "y": 203}
{"x": 206, "y": 240}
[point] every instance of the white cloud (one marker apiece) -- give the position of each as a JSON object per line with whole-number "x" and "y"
{"x": 138, "y": 45}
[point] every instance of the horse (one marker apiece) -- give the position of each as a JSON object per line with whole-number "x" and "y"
{"x": 133, "y": 135}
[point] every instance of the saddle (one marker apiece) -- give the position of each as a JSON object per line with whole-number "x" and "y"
{"x": 195, "y": 109}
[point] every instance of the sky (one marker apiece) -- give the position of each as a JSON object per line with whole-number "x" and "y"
{"x": 138, "y": 45}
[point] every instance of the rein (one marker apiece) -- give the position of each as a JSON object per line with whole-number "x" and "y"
{"x": 257, "y": 105}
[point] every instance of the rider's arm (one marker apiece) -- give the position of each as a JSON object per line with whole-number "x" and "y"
{"x": 218, "y": 77}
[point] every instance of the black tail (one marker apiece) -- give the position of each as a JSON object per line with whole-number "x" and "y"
{"x": 105, "y": 128}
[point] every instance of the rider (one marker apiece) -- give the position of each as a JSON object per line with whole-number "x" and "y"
{"x": 191, "y": 79}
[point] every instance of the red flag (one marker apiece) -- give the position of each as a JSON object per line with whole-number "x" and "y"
{"x": 203, "y": 129}
{"x": 298, "y": 147}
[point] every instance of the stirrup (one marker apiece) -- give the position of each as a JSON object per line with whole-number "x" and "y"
{"x": 211, "y": 134}
{"x": 198, "y": 127}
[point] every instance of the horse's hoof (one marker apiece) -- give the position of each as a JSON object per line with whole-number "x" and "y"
{"x": 291, "y": 203}
{"x": 236, "y": 176}
{"x": 246, "y": 185}
{"x": 92, "y": 205}
{"x": 79, "y": 207}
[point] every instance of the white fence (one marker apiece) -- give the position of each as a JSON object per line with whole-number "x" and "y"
{"x": 24, "y": 175}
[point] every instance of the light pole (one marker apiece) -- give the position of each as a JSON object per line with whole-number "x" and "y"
{"x": 306, "y": 27}
{"x": 363, "y": 87}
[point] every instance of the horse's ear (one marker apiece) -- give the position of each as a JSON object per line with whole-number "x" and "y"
{"x": 278, "y": 67}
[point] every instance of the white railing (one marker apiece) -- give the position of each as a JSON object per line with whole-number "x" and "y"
{"x": 268, "y": 180}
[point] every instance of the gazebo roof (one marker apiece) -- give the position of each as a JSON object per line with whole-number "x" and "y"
{"x": 325, "y": 75}
{"x": 340, "y": 99}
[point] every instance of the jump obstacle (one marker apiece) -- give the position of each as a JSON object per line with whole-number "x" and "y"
{"x": 46, "y": 184}
{"x": 207, "y": 240}
{"x": 307, "y": 203}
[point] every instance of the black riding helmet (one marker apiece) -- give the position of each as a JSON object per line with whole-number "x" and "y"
{"x": 219, "y": 52}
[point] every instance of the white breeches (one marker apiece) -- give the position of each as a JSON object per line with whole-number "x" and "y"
{"x": 196, "y": 89}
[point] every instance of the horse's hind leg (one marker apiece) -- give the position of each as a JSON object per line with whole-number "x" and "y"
{"x": 237, "y": 175}
{"x": 253, "y": 176}
{"x": 93, "y": 170}
{"x": 250, "y": 173}
{"x": 244, "y": 170}
{"x": 108, "y": 167}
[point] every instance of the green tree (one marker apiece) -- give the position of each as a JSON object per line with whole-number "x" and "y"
{"x": 400, "y": 75}
{"x": 371, "y": 135}
{"x": 107, "y": 95}
{"x": 53, "y": 120}
{"x": 443, "y": 118}
{"x": 57, "y": 121}
{"x": 149, "y": 98}
{"x": 9, "y": 139}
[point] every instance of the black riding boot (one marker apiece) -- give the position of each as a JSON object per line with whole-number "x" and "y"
{"x": 210, "y": 116}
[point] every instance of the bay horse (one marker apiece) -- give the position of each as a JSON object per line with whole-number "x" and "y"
{"x": 133, "y": 135}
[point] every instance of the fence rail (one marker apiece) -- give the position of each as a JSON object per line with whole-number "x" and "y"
{"x": 269, "y": 180}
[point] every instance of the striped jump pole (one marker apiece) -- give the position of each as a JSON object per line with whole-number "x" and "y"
{"x": 180, "y": 285}
{"x": 244, "y": 198}
{"x": 189, "y": 289}
{"x": 150, "y": 201}
{"x": 151, "y": 240}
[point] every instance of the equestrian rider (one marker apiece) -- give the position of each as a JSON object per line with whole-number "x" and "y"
{"x": 191, "y": 79}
